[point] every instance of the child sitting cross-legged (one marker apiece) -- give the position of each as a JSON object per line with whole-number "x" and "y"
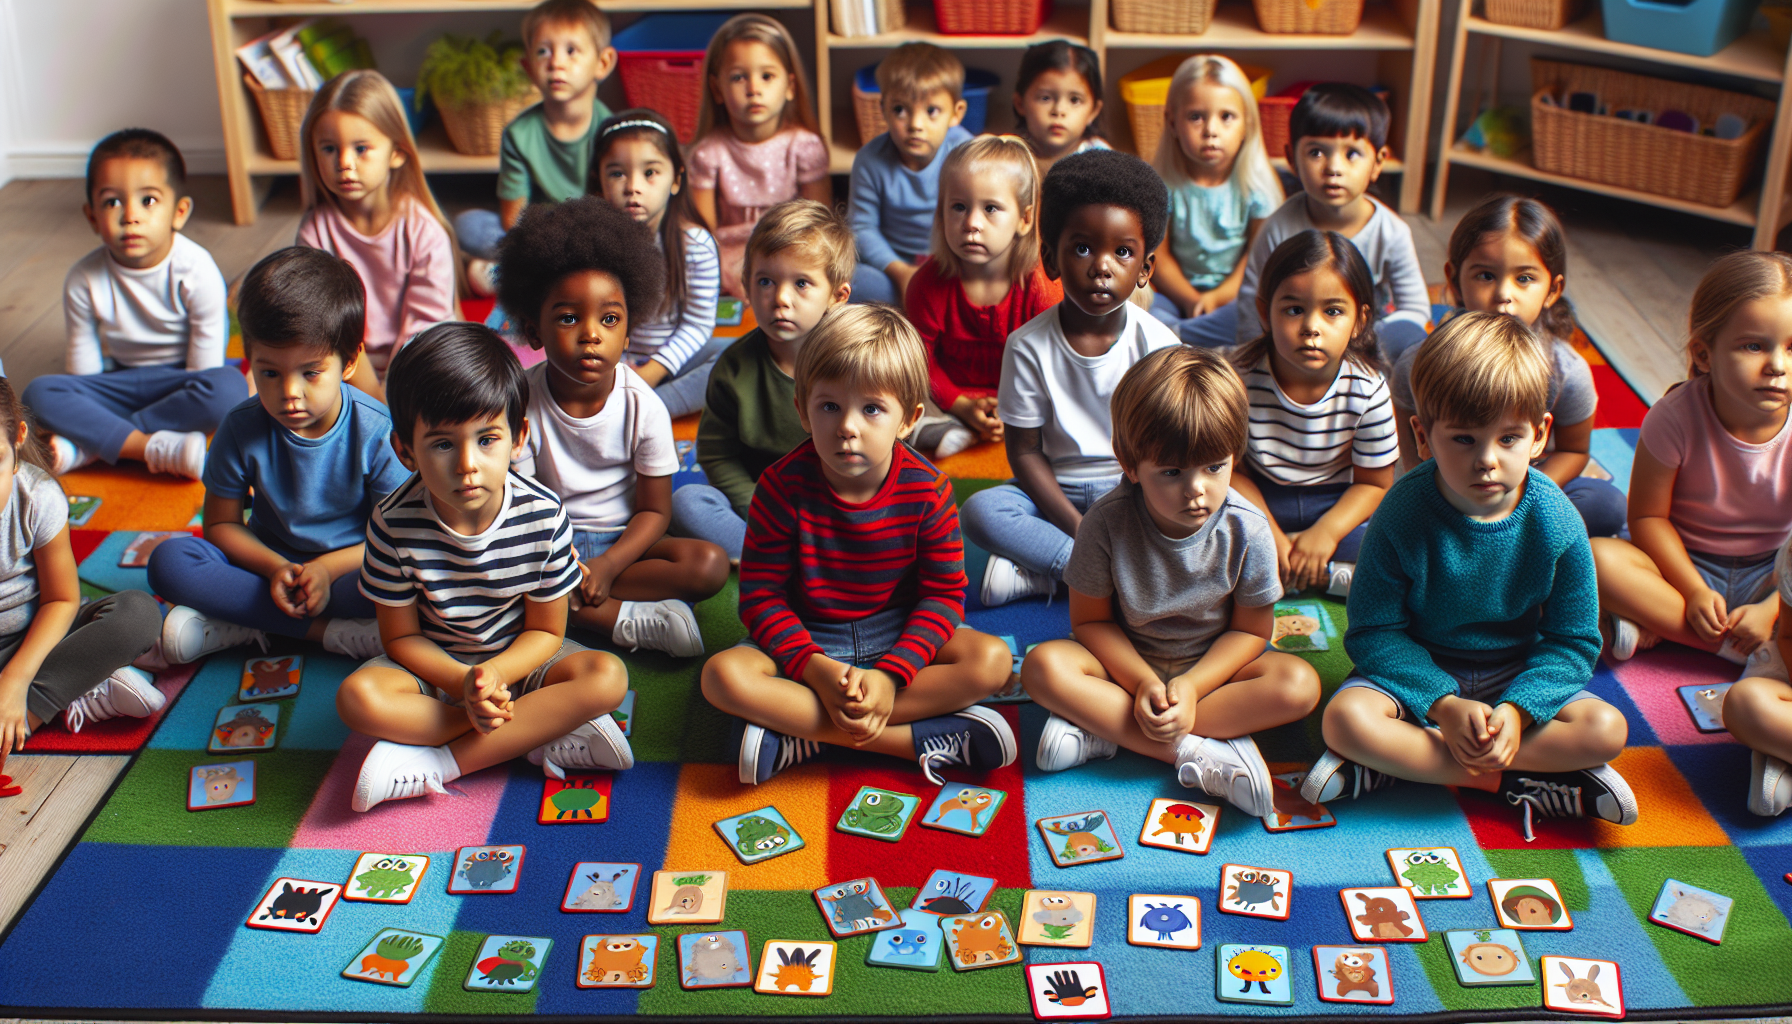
{"x": 852, "y": 580}
{"x": 1474, "y": 614}
{"x": 1173, "y": 585}
{"x": 574, "y": 274}
{"x": 471, "y": 565}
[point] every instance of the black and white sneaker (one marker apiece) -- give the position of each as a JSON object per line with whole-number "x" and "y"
{"x": 764, "y": 753}
{"x": 1334, "y": 778}
{"x": 977, "y": 737}
{"x": 1589, "y": 793}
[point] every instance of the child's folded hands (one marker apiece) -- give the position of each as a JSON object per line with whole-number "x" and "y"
{"x": 1164, "y": 713}
{"x": 1483, "y": 739}
{"x": 487, "y": 698}
{"x": 301, "y": 591}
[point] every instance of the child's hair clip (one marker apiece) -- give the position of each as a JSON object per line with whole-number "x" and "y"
{"x": 1677, "y": 120}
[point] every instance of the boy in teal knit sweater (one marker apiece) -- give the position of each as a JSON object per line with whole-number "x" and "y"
{"x": 1474, "y": 614}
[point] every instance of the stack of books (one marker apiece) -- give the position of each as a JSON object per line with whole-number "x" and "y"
{"x": 305, "y": 55}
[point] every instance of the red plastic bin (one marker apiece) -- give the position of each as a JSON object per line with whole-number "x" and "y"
{"x": 990, "y": 17}
{"x": 660, "y": 59}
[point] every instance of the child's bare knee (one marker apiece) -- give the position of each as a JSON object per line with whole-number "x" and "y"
{"x": 1045, "y": 666}
{"x": 724, "y": 678}
{"x": 990, "y": 660}
{"x": 1294, "y": 683}
{"x": 355, "y": 697}
{"x": 1754, "y": 699}
{"x": 709, "y": 568}
{"x": 1603, "y": 729}
{"x": 1351, "y": 717}
{"x": 602, "y": 677}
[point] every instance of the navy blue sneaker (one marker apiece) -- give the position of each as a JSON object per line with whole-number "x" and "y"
{"x": 764, "y": 753}
{"x": 977, "y": 738}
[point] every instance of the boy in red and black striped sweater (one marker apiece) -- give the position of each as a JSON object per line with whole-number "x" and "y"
{"x": 852, "y": 577}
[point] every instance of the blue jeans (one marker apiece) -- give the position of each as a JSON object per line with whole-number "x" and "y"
{"x": 1218, "y": 329}
{"x": 478, "y": 232}
{"x": 1004, "y": 521}
{"x": 871, "y": 284}
{"x": 1397, "y": 336}
{"x": 860, "y": 642}
{"x": 194, "y": 572}
{"x": 1742, "y": 579}
{"x": 704, "y": 512}
{"x": 98, "y": 411}
{"x": 1298, "y": 508}
{"x": 686, "y": 390}
{"x": 1601, "y": 505}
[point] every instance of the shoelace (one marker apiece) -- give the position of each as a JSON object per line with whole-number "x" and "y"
{"x": 1368, "y": 780}
{"x": 794, "y": 750}
{"x": 213, "y": 627}
{"x": 406, "y": 786}
{"x": 1550, "y": 799}
{"x": 947, "y": 749}
{"x": 650, "y": 631}
{"x": 91, "y": 706}
{"x": 1215, "y": 779}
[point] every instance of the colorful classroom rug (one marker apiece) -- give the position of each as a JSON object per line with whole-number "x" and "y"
{"x": 145, "y": 917}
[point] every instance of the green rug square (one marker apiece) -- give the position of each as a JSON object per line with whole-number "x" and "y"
{"x": 150, "y": 804}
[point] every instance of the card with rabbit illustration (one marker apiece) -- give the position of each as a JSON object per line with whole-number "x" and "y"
{"x": 1593, "y": 988}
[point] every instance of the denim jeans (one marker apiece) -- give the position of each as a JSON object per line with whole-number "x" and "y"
{"x": 98, "y": 411}
{"x": 194, "y": 572}
{"x": 704, "y": 512}
{"x": 478, "y": 232}
{"x": 1004, "y": 521}
{"x": 1741, "y": 579}
{"x": 1480, "y": 676}
{"x": 1218, "y": 329}
{"x": 1298, "y": 508}
{"x": 1601, "y": 505}
{"x": 685, "y": 391}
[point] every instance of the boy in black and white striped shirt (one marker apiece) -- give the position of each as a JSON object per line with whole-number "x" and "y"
{"x": 471, "y": 566}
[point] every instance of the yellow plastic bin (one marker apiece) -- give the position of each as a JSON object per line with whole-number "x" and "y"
{"x": 1148, "y": 89}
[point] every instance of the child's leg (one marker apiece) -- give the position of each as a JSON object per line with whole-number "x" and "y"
{"x": 106, "y": 636}
{"x": 1601, "y": 505}
{"x": 744, "y": 682}
{"x": 186, "y": 401}
{"x": 92, "y": 410}
{"x": 704, "y": 512}
{"x": 192, "y": 571}
{"x": 1758, "y": 712}
{"x": 1364, "y": 725}
{"x": 970, "y": 666}
{"x": 1630, "y": 586}
{"x": 1586, "y": 733}
{"x": 1004, "y": 521}
{"x": 672, "y": 568}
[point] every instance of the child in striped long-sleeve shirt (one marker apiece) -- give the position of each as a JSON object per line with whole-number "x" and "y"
{"x": 852, "y": 578}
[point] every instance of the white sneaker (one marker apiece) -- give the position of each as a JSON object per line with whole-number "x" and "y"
{"x": 1232, "y": 770}
{"x": 957, "y": 438}
{"x": 188, "y": 635}
{"x": 1731, "y": 653}
{"x": 1063, "y": 744}
{"x": 395, "y": 771}
{"x": 66, "y": 456}
{"x": 1769, "y": 785}
{"x": 666, "y": 626}
{"x": 1625, "y": 636}
{"x": 1340, "y": 581}
{"x": 129, "y": 692}
{"x": 353, "y": 638}
{"x": 177, "y": 453}
{"x": 1005, "y": 581}
{"x": 598, "y": 743}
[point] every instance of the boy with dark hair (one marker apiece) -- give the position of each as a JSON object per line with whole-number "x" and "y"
{"x": 312, "y": 449}
{"x": 1102, "y": 216}
{"x": 146, "y": 322}
{"x": 896, "y": 176}
{"x": 1338, "y": 136}
{"x": 471, "y": 566}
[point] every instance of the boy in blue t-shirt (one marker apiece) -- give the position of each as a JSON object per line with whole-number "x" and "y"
{"x": 1474, "y": 613}
{"x": 315, "y": 453}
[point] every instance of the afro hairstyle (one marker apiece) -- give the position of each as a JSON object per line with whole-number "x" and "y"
{"x": 1103, "y": 177}
{"x": 554, "y": 240}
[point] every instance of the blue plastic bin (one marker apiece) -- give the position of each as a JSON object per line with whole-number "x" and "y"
{"x": 978, "y": 84}
{"x": 1698, "y": 27}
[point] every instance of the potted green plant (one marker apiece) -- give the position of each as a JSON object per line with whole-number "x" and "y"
{"x": 478, "y": 85}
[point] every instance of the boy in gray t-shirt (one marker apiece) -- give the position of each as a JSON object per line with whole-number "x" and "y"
{"x": 1173, "y": 584}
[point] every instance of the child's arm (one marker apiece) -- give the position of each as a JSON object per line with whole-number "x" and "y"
{"x": 298, "y": 590}
{"x": 429, "y": 280}
{"x": 865, "y": 213}
{"x": 1314, "y": 546}
{"x": 1257, "y": 254}
{"x": 58, "y": 599}
{"x": 1227, "y": 290}
{"x": 1651, "y": 500}
{"x": 1172, "y": 283}
{"x": 1406, "y": 279}
{"x": 814, "y": 181}
{"x": 208, "y": 317}
{"x": 1033, "y": 474}
{"x": 514, "y": 181}
{"x": 940, "y": 585}
{"x": 719, "y": 447}
{"x": 401, "y": 633}
{"x": 704, "y": 199}
{"x": 696, "y": 308}
{"x": 653, "y": 514}
{"x": 1094, "y": 623}
{"x": 1567, "y": 649}
{"x": 1574, "y": 444}
{"x": 510, "y": 211}
{"x": 1246, "y": 485}
{"x": 85, "y": 353}
{"x": 1378, "y": 640}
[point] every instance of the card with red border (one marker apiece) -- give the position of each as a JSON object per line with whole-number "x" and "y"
{"x": 981, "y": 940}
{"x": 211, "y": 786}
{"x": 1384, "y": 913}
{"x": 1430, "y": 872}
{"x": 1700, "y": 913}
{"x": 1354, "y": 974}
{"x": 600, "y": 887}
{"x": 485, "y": 869}
{"x": 1529, "y": 904}
{"x": 1256, "y": 892}
{"x": 716, "y": 959}
{"x": 580, "y": 797}
{"x": 295, "y": 905}
{"x": 856, "y": 907}
{"x": 385, "y": 877}
{"x": 617, "y": 961}
{"x": 1593, "y": 988}
{"x": 1069, "y": 991}
{"x": 1081, "y": 838}
{"x": 1168, "y": 922}
{"x": 1180, "y": 825}
{"x": 796, "y": 968}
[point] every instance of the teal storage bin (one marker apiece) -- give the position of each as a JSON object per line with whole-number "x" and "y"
{"x": 1698, "y": 27}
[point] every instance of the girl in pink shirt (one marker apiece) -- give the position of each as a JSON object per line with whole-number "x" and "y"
{"x": 1711, "y": 488}
{"x": 757, "y": 142}
{"x": 366, "y": 201}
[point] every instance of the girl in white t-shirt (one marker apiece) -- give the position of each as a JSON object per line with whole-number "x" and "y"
{"x": 572, "y": 274}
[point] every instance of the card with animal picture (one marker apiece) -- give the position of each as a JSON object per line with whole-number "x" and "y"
{"x": 790, "y": 968}
{"x": 1169, "y": 922}
{"x": 136, "y": 553}
{"x": 759, "y": 835}
{"x": 951, "y": 892}
{"x": 581, "y": 796}
{"x": 856, "y": 907}
{"x": 211, "y": 786}
{"x": 1302, "y": 627}
{"x": 1354, "y": 974}
{"x": 1012, "y": 692}
{"x": 1430, "y": 872}
{"x": 270, "y": 678}
{"x": 393, "y": 957}
{"x": 979, "y": 940}
{"x": 1069, "y": 991}
{"x": 295, "y": 905}
{"x": 624, "y": 715}
{"x": 914, "y": 945}
{"x": 967, "y": 810}
{"x": 1489, "y": 956}
{"x": 714, "y": 960}
{"x": 1254, "y": 973}
{"x": 878, "y": 813}
{"x": 1291, "y": 812}
{"x": 81, "y": 508}
{"x": 244, "y": 728}
{"x": 385, "y": 877}
{"x": 617, "y": 961}
{"x": 1698, "y": 912}
{"x": 1256, "y": 892}
{"x": 1705, "y": 704}
{"x": 1594, "y": 988}
{"x": 687, "y": 897}
{"x": 1081, "y": 838}
{"x": 729, "y": 312}
{"x": 1383, "y": 914}
{"x": 485, "y": 869}
{"x": 1180, "y": 825}
{"x": 508, "y": 963}
{"x": 1049, "y": 917}
{"x": 600, "y": 887}
{"x": 1529, "y": 904}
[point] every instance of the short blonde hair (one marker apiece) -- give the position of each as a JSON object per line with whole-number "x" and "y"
{"x": 869, "y": 346}
{"x": 1179, "y": 406}
{"x": 1478, "y": 368}
{"x": 815, "y": 228}
{"x": 1009, "y": 153}
{"x": 914, "y": 70}
{"x": 583, "y": 13}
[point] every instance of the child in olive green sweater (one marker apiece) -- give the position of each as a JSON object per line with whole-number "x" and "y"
{"x": 798, "y": 265}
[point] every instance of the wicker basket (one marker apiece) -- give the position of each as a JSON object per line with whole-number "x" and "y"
{"x": 1146, "y": 91}
{"x": 1547, "y": 15}
{"x": 1610, "y": 150}
{"x": 868, "y": 110}
{"x": 991, "y": 17}
{"x": 1273, "y": 112}
{"x": 476, "y": 129}
{"x": 1309, "y": 17}
{"x": 1163, "y": 17}
{"x": 282, "y": 114}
